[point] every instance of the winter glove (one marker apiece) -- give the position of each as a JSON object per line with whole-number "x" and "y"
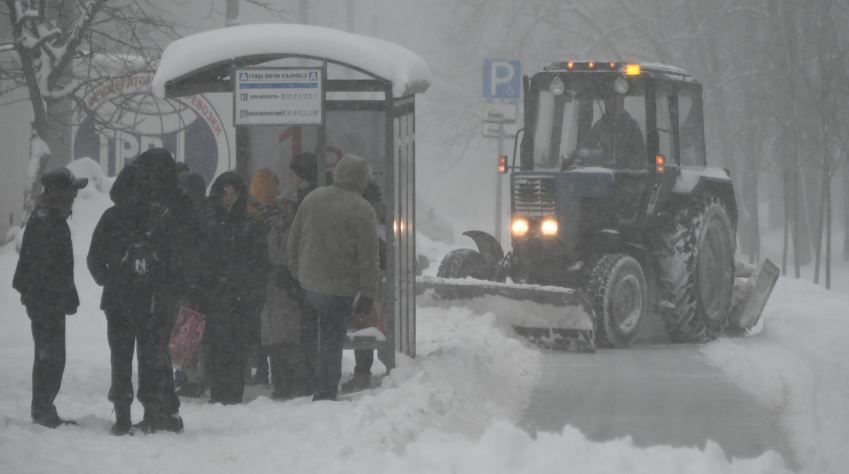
{"x": 362, "y": 317}
{"x": 363, "y": 306}
{"x": 285, "y": 281}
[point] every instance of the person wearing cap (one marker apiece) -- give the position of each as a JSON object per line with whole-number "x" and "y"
{"x": 45, "y": 279}
{"x": 302, "y": 181}
{"x": 333, "y": 253}
{"x": 302, "y": 176}
{"x": 288, "y": 327}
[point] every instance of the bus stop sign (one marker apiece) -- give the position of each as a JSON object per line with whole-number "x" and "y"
{"x": 502, "y": 79}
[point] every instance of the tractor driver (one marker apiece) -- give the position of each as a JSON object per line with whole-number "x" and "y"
{"x": 618, "y": 134}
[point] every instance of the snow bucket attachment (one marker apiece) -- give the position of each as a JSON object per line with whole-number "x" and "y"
{"x": 751, "y": 295}
{"x": 550, "y": 317}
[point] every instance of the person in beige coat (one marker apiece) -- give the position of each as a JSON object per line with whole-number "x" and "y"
{"x": 281, "y": 314}
{"x": 333, "y": 254}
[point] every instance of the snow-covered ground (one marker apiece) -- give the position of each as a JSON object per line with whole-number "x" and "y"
{"x": 451, "y": 409}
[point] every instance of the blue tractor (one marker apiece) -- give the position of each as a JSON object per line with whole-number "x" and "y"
{"x": 612, "y": 201}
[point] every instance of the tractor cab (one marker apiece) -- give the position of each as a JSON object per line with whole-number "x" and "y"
{"x": 602, "y": 147}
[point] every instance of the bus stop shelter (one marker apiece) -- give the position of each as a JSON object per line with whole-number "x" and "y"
{"x": 301, "y": 88}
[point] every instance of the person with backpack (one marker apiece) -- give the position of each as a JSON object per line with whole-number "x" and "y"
{"x": 164, "y": 190}
{"x": 45, "y": 279}
{"x": 132, "y": 257}
{"x": 234, "y": 283}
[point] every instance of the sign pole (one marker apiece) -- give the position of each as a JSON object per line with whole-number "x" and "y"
{"x": 498, "y": 186}
{"x": 502, "y": 86}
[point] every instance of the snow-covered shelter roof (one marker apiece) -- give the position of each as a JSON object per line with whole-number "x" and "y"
{"x": 219, "y": 50}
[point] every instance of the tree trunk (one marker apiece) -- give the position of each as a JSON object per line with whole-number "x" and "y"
{"x": 828, "y": 232}
{"x": 231, "y": 15}
{"x": 750, "y": 201}
{"x": 818, "y": 230}
{"x": 304, "y": 12}
{"x": 845, "y": 209}
{"x": 801, "y": 236}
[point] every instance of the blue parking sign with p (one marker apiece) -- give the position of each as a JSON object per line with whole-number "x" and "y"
{"x": 502, "y": 79}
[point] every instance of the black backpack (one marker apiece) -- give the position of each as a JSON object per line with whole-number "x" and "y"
{"x": 140, "y": 262}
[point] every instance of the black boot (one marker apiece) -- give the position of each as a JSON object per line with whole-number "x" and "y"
{"x": 172, "y": 423}
{"x": 149, "y": 422}
{"x": 123, "y": 424}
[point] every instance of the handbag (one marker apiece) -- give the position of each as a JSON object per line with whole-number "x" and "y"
{"x": 376, "y": 318}
{"x": 186, "y": 338}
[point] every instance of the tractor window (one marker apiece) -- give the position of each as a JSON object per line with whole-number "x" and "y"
{"x": 690, "y": 127}
{"x": 543, "y": 155}
{"x": 665, "y": 101}
{"x": 588, "y": 124}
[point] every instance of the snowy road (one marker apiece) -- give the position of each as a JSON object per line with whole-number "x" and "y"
{"x": 658, "y": 394}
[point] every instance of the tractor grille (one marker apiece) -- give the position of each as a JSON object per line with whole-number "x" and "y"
{"x": 533, "y": 196}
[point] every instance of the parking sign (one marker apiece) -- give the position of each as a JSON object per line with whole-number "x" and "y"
{"x": 502, "y": 79}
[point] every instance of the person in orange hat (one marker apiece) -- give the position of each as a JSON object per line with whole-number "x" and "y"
{"x": 262, "y": 200}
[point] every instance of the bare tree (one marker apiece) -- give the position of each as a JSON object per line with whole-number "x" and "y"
{"x": 59, "y": 45}
{"x": 66, "y": 47}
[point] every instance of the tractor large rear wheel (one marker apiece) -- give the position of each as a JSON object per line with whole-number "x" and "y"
{"x": 695, "y": 256}
{"x": 619, "y": 295}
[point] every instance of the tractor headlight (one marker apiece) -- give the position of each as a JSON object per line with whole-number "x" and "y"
{"x": 549, "y": 227}
{"x": 520, "y": 227}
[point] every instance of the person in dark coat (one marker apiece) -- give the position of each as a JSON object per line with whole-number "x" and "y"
{"x": 364, "y": 358}
{"x": 236, "y": 268}
{"x": 160, "y": 166}
{"x": 132, "y": 255}
{"x": 333, "y": 253}
{"x": 619, "y": 135}
{"x": 193, "y": 186}
{"x": 303, "y": 175}
{"x": 45, "y": 279}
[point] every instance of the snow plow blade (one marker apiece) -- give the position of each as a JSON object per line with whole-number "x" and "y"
{"x": 751, "y": 295}
{"x": 560, "y": 319}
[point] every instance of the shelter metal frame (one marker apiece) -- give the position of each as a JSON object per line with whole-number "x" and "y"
{"x": 399, "y": 194}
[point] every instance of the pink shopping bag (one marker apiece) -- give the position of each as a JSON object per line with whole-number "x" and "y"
{"x": 186, "y": 338}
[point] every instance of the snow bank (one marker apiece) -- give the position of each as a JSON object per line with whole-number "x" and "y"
{"x": 799, "y": 363}
{"x": 88, "y": 168}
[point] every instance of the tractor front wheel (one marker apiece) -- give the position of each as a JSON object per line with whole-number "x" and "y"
{"x": 619, "y": 295}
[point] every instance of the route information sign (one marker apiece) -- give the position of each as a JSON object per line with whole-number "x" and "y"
{"x": 278, "y": 96}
